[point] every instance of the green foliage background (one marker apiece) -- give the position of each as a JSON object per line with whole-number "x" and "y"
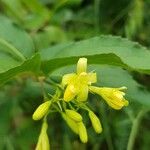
{"x": 46, "y": 37}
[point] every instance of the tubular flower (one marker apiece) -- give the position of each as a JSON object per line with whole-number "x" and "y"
{"x": 113, "y": 96}
{"x": 77, "y": 84}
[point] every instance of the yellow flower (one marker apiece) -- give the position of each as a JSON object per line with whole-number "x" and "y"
{"x": 113, "y": 96}
{"x": 78, "y": 83}
{"x": 43, "y": 141}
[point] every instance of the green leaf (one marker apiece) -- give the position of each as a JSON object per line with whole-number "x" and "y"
{"x": 37, "y": 16}
{"x": 30, "y": 65}
{"x": 6, "y": 47}
{"x": 7, "y": 62}
{"x": 16, "y": 37}
{"x": 32, "y": 14}
{"x": 109, "y": 50}
{"x": 48, "y": 37}
{"x": 12, "y": 8}
{"x": 15, "y": 45}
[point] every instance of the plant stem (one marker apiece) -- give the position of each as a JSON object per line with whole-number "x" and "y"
{"x": 106, "y": 127}
{"x": 134, "y": 129}
{"x": 97, "y": 13}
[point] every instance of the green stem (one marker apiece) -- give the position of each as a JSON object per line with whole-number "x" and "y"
{"x": 97, "y": 13}
{"x": 52, "y": 83}
{"x": 106, "y": 127}
{"x": 11, "y": 49}
{"x": 134, "y": 129}
{"x": 59, "y": 105}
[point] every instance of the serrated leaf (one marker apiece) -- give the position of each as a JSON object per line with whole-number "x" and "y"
{"x": 109, "y": 50}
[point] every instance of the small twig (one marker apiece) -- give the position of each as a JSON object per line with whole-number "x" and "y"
{"x": 134, "y": 129}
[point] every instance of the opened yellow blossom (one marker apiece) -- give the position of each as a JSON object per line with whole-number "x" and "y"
{"x": 113, "y": 96}
{"x": 78, "y": 83}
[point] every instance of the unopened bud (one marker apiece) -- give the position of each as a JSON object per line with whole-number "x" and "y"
{"x": 41, "y": 110}
{"x": 82, "y": 132}
{"x": 74, "y": 115}
{"x": 71, "y": 123}
{"x": 95, "y": 122}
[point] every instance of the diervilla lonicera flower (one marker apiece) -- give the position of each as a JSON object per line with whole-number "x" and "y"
{"x": 113, "y": 96}
{"x": 78, "y": 83}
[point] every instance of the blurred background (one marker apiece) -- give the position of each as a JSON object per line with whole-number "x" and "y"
{"x": 50, "y": 22}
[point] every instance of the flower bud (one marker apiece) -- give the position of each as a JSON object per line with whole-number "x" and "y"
{"x": 41, "y": 110}
{"x": 82, "y": 132}
{"x": 74, "y": 115}
{"x": 71, "y": 123}
{"x": 82, "y": 65}
{"x": 43, "y": 141}
{"x": 95, "y": 122}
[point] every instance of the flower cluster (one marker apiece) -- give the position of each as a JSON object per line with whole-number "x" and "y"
{"x": 75, "y": 88}
{"x": 79, "y": 84}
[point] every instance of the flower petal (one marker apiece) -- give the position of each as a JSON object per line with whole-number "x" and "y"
{"x": 115, "y": 104}
{"x": 81, "y": 65}
{"x": 68, "y": 78}
{"x": 92, "y": 78}
{"x": 83, "y": 93}
{"x": 70, "y": 93}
